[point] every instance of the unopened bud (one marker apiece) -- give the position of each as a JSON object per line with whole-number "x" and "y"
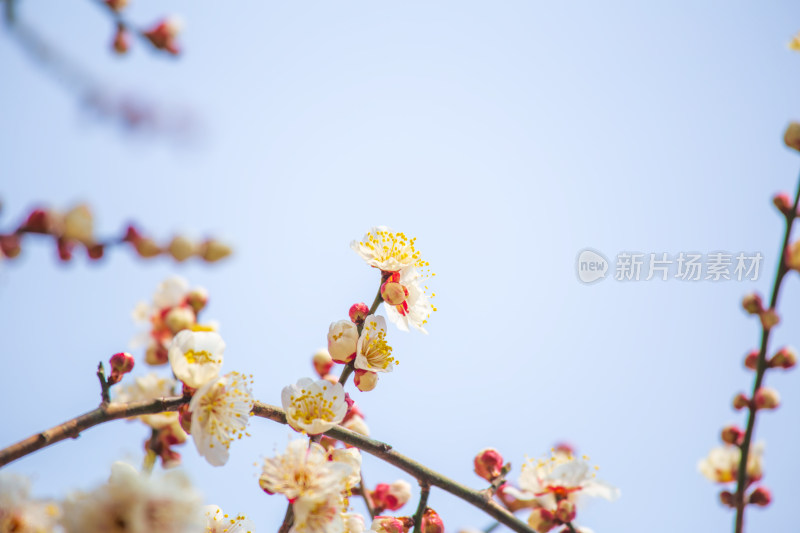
{"x": 542, "y": 520}
{"x": 122, "y": 362}
{"x": 390, "y": 497}
{"x": 185, "y": 418}
{"x": 727, "y": 498}
{"x": 732, "y": 435}
{"x": 38, "y": 221}
{"x": 509, "y": 500}
{"x": 322, "y": 362}
{"x": 342, "y": 341}
{"x": 79, "y": 225}
{"x": 792, "y": 136}
{"x": 489, "y": 464}
{"x": 163, "y": 35}
{"x": 752, "y": 304}
{"x": 785, "y": 358}
{"x": 769, "y": 318}
{"x": 116, "y": 5}
{"x": 365, "y": 380}
{"x": 213, "y": 250}
{"x": 181, "y": 248}
{"x": 391, "y": 524}
{"x": 565, "y": 511}
{"x": 10, "y": 245}
{"x": 751, "y": 360}
{"x": 783, "y": 202}
{"x": 95, "y": 252}
{"x": 357, "y": 425}
{"x": 65, "y": 248}
{"x": 180, "y": 318}
{"x": 122, "y": 42}
{"x": 761, "y": 497}
{"x": 358, "y": 312}
{"x": 766, "y": 398}
{"x": 146, "y": 247}
{"x": 740, "y": 401}
{"x": 564, "y": 448}
{"x": 156, "y": 355}
{"x": 197, "y": 298}
{"x": 393, "y": 293}
{"x": 431, "y": 522}
{"x": 330, "y": 378}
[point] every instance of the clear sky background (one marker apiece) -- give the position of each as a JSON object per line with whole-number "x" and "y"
{"x": 507, "y": 136}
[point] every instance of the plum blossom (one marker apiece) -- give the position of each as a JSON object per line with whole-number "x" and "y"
{"x": 149, "y": 387}
{"x": 220, "y": 413}
{"x": 342, "y": 339}
{"x": 389, "y": 251}
{"x": 19, "y": 512}
{"x": 196, "y": 356}
{"x": 722, "y": 463}
{"x": 417, "y": 307}
{"x": 312, "y": 406}
{"x": 373, "y": 352}
{"x": 219, "y": 522}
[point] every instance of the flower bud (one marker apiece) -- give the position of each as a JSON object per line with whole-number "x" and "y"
{"x": 342, "y": 341}
{"x": 565, "y": 512}
{"x": 357, "y": 425}
{"x": 431, "y": 522}
{"x": 783, "y": 202}
{"x": 542, "y": 520}
{"x": 509, "y": 500}
{"x": 163, "y": 35}
{"x": 330, "y": 378}
{"x": 564, "y": 448}
{"x": 489, "y": 464}
{"x": 213, "y": 250}
{"x": 121, "y": 43}
{"x": 792, "y": 136}
{"x": 752, "y": 304}
{"x": 769, "y": 318}
{"x": 322, "y": 362}
{"x": 365, "y": 380}
{"x": 121, "y": 362}
{"x": 38, "y": 221}
{"x": 95, "y": 252}
{"x": 393, "y": 293}
{"x": 197, "y": 298}
{"x": 65, "y": 247}
{"x": 10, "y": 245}
{"x": 358, "y": 312}
{"x": 732, "y": 435}
{"x": 179, "y": 318}
{"x": 116, "y": 5}
{"x": 727, "y": 498}
{"x": 740, "y": 401}
{"x": 78, "y": 224}
{"x": 156, "y": 355}
{"x": 391, "y": 524}
{"x": 146, "y": 247}
{"x": 766, "y": 398}
{"x": 185, "y": 418}
{"x": 390, "y": 497}
{"x": 751, "y": 360}
{"x": 785, "y": 358}
{"x": 181, "y": 248}
{"x": 761, "y": 497}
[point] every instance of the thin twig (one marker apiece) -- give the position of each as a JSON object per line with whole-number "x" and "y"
{"x": 288, "y": 520}
{"x": 571, "y": 527}
{"x": 761, "y": 367}
{"x": 104, "y": 386}
{"x": 424, "y": 492}
{"x": 367, "y": 502}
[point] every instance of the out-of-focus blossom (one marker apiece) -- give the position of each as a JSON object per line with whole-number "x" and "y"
{"x": 148, "y": 387}
{"x": 312, "y": 406}
{"x": 390, "y": 497}
{"x": 19, "y": 513}
{"x": 219, "y": 522}
{"x": 722, "y": 463}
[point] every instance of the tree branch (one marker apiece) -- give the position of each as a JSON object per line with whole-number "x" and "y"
{"x": 424, "y": 492}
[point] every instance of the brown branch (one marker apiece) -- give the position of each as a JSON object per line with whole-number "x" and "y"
{"x": 424, "y": 492}
{"x": 362, "y": 487}
{"x": 288, "y": 520}
{"x": 73, "y": 428}
{"x": 422, "y": 473}
{"x": 761, "y": 368}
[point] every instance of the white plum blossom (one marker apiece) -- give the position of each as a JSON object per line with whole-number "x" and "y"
{"x": 353, "y": 523}
{"x": 219, "y": 522}
{"x": 305, "y": 471}
{"x": 312, "y": 406}
{"x": 350, "y": 457}
{"x": 357, "y": 424}
{"x": 417, "y": 307}
{"x": 170, "y": 292}
{"x": 389, "y": 251}
{"x": 722, "y": 463}
{"x": 342, "y": 339}
{"x": 319, "y": 515}
{"x": 373, "y": 353}
{"x": 220, "y": 413}
{"x": 563, "y": 476}
{"x": 196, "y": 356}
{"x": 19, "y": 513}
{"x": 148, "y": 387}
{"x": 135, "y": 503}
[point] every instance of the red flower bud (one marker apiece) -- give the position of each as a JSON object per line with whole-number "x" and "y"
{"x": 489, "y": 464}
{"x": 751, "y": 360}
{"x": 761, "y": 497}
{"x": 431, "y": 522}
{"x": 785, "y": 358}
{"x": 740, "y": 401}
{"x": 752, "y": 304}
{"x": 358, "y": 312}
{"x": 766, "y": 398}
{"x": 732, "y": 435}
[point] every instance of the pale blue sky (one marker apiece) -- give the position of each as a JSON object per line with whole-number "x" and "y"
{"x": 506, "y": 136}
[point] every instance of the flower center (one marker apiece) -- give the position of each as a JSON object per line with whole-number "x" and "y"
{"x": 311, "y": 406}
{"x": 199, "y": 357}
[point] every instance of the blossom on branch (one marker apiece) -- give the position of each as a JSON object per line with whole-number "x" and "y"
{"x": 219, "y": 522}
{"x": 722, "y": 463}
{"x": 19, "y": 513}
{"x": 220, "y": 413}
{"x": 373, "y": 353}
{"x": 389, "y": 251}
{"x": 149, "y": 387}
{"x": 313, "y": 407}
{"x": 415, "y": 308}
{"x": 196, "y": 356}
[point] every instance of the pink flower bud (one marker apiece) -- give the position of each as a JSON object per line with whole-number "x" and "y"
{"x": 122, "y": 42}
{"x": 122, "y": 362}
{"x": 510, "y": 501}
{"x": 732, "y": 435}
{"x": 761, "y": 497}
{"x": 391, "y": 524}
{"x": 197, "y": 298}
{"x": 542, "y": 520}
{"x": 10, "y": 245}
{"x": 769, "y": 318}
{"x": 766, "y": 398}
{"x": 785, "y": 358}
{"x": 393, "y": 293}
{"x": 792, "y": 136}
{"x": 751, "y": 360}
{"x": 358, "y": 312}
{"x": 156, "y": 355}
{"x": 342, "y": 341}
{"x": 727, "y": 498}
{"x": 65, "y": 248}
{"x": 783, "y": 202}
{"x": 489, "y": 464}
{"x": 116, "y": 5}
{"x": 390, "y": 497}
{"x": 752, "y": 304}
{"x": 740, "y": 401}
{"x": 163, "y": 35}
{"x": 365, "y": 380}
{"x": 565, "y": 448}
{"x": 39, "y": 221}
{"x": 565, "y": 511}
{"x": 322, "y": 362}
{"x": 431, "y": 522}
{"x": 95, "y": 251}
